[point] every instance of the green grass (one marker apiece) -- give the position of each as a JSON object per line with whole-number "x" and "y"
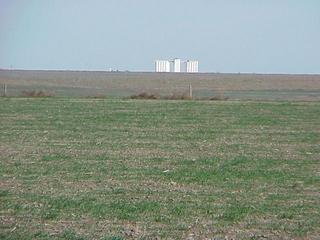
{"x": 119, "y": 169}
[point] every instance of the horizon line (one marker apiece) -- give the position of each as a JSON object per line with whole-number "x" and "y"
{"x": 135, "y": 71}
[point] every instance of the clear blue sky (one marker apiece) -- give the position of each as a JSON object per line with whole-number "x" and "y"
{"x": 266, "y": 36}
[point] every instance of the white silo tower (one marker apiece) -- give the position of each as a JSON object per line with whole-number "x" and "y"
{"x": 162, "y": 66}
{"x": 192, "y": 66}
{"x": 177, "y": 65}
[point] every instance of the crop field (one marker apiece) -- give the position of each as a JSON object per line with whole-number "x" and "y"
{"x": 124, "y": 84}
{"x": 77, "y": 168}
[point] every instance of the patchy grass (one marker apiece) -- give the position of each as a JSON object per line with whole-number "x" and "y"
{"x": 34, "y": 93}
{"x": 217, "y": 86}
{"x": 144, "y": 95}
{"x": 119, "y": 169}
{"x": 150, "y": 96}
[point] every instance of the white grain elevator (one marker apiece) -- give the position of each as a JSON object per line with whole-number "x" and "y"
{"x": 177, "y": 65}
{"x": 162, "y": 66}
{"x": 192, "y": 66}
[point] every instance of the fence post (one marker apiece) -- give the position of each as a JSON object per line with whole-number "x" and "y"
{"x": 5, "y": 90}
{"x": 190, "y": 91}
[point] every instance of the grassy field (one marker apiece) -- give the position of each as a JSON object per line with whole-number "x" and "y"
{"x": 124, "y": 84}
{"x": 130, "y": 169}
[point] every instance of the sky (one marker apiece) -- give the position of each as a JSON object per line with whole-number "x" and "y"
{"x": 254, "y": 36}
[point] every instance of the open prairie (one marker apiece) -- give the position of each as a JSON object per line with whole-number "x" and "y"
{"x": 73, "y": 168}
{"x": 124, "y": 84}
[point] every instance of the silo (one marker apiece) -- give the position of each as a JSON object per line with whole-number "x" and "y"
{"x": 192, "y": 66}
{"x": 196, "y": 63}
{"x": 167, "y": 66}
{"x": 162, "y": 66}
{"x": 189, "y": 66}
{"x": 157, "y": 66}
{"x": 177, "y": 65}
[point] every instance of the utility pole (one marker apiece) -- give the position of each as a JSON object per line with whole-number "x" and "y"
{"x": 190, "y": 91}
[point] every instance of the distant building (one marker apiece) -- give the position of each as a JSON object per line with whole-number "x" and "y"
{"x": 165, "y": 66}
{"x": 192, "y": 66}
{"x": 162, "y": 66}
{"x": 177, "y": 65}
